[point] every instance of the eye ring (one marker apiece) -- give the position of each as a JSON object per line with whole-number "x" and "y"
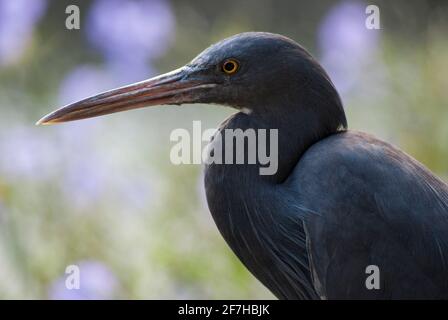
{"x": 230, "y": 66}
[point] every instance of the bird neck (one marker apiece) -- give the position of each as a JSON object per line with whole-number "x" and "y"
{"x": 298, "y": 129}
{"x": 246, "y": 206}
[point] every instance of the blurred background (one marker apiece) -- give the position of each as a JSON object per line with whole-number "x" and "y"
{"x": 102, "y": 193}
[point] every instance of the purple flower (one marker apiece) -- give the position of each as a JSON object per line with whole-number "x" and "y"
{"x": 88, "y": 174}
{"x": 123, "y": 72}
{"x": 130, "y": 30}
{"x": 84, "y": 180}
{"x": 96, "y": 282}
{"x": 343, "y": 31}
{"x": 26, "y": 153}
{"x": 17, "y": 21}
{"x": 346, "y": 45}
{"x": 82, "y": 82}
{"x": 82, "y": 171}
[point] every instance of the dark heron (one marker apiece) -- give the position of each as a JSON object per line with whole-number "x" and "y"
{"x": 340, "y": 202}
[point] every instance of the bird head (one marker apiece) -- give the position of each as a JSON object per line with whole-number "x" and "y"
{"x": 252, "y": 71}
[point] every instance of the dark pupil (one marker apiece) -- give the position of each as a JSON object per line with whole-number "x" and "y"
{"x": 229, "y": 66}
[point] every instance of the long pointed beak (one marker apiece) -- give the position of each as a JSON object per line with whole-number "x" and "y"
{"x": 174, "y": 87}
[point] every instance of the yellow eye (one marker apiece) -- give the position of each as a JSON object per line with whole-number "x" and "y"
{"x": 230, "y": 66}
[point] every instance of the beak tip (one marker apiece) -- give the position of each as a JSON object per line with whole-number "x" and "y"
{"x": 44, "y": 121}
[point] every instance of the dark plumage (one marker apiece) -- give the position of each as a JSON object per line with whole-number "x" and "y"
{"x": 340, "y": 201}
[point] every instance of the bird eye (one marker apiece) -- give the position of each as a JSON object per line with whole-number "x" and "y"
{"x": 230, "y": 66}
